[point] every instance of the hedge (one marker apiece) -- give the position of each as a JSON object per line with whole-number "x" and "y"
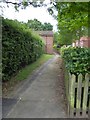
{"x": 20, "y": 47}
{"x": 77, "y": 59}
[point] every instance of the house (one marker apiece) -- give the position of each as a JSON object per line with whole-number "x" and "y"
{"x": 83, "y": 42}
{"x": 48, "y": 40}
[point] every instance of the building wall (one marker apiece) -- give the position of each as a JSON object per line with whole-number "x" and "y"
{"x": 89, "y": 42}
{"x": 83, "y": 42}
{"x": 49, "y": 45}
{"x": 48, "y": 40}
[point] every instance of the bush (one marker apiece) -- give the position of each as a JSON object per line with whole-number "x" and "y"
{"x": 20, "y": 47}
{"x": 77, "y": 60}
{"x": 56, "y": 48}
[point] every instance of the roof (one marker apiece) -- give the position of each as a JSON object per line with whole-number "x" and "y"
{"x": 45, "y": 33}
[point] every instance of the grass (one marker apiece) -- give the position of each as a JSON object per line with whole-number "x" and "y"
{"x": 24, "y": 73}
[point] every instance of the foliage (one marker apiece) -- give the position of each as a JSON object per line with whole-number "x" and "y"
{"x": 56, "y": 45}
{"x": 65, "y": 37}
{"x": 24, "y": 3}
{"x": 47, "y": 26}
{"x": 77, "y": 60}
{"x": 56, "y": 35}
{"x": 20, "y": 47}
{"x": 24, "y": 73}
{"x": 72, "y": 20}
{"x": 37, "y": 25}
{"x": 73, "y": 15}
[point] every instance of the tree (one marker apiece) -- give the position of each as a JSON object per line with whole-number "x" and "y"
{"x": 24, "y": 3}
{"x": 47, "y": 26}
{"x": 56, "y": 36}
{"x": 35, "y": 3}
{"x": 34, "y": 24}
{"x": 37, "y": 25}
{"x": 72, "y": 20}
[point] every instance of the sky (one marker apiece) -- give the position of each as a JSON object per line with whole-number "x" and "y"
{"x": 30, "y": 12}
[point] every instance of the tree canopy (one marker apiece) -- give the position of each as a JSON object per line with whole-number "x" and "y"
{"x": 72, "y": 20}
{"x": 24, "y": 3}
{"x": 37, "y": 25}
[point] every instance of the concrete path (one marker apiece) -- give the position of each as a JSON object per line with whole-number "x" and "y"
{"x": 40, "y": 99}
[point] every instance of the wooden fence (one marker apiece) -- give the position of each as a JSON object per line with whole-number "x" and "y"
{"x": 78, "y": 93}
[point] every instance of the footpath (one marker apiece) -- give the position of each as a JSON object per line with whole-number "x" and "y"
{"x": 41, "y": 96}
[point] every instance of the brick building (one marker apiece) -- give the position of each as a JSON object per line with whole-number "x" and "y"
{"x": 48, "y": 40}
{"x": 83, "y": 42}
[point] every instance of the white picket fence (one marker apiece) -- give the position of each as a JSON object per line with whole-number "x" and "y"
{"x": 78, "y": 92}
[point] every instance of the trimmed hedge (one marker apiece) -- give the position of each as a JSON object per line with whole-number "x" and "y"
{"x": 20, "y": 47}
{"x": 77, "y": 60}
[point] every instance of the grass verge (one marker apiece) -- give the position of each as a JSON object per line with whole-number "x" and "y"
{"x": 24, "y": 73}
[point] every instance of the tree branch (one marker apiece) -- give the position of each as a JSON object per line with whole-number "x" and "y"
{"x": 34, "y": 4}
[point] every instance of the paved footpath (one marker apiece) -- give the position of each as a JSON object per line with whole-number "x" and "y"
{"x": 40, "y": 99}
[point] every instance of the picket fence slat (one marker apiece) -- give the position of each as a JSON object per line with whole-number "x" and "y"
{"x": 85, "y": 95}
{"x": 72, "y": 94}
{"x": 78, "y": 91}
{"x": 69, "y": 90}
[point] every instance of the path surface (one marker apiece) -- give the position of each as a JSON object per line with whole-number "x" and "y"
{"x": 43, "y": 97}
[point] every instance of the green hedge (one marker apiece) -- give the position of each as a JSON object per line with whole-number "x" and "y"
{"x": 20, "y": 47}
{"x": 77, "y": 60}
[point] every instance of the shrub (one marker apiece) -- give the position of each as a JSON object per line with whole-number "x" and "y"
{"x": 20, "y": 47}
{"x": 77, "y": 60}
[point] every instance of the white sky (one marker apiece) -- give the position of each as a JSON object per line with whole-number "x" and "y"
{"x": 30, "y": 12}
